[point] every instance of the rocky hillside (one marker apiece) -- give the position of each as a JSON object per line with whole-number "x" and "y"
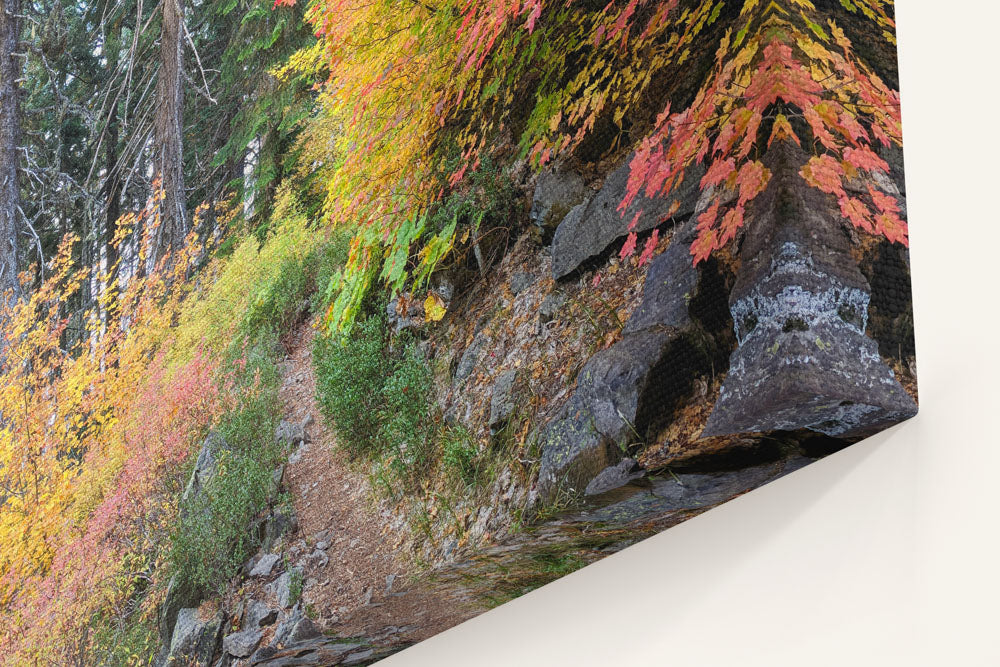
{"x": 475, "y": 294}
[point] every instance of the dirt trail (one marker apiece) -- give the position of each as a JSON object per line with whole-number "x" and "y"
{"x": 347, "y": 585}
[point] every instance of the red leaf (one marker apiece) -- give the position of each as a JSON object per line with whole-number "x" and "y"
{"x": 707, "y": 219}
{"x": 647, "y": 250}
{"x": 865, "y": 158}
{"x": 629, "y": 247}
{"x": 703, "y": 245}
{"x": 855, "y": 210}
{"x": 718, "y": 172}
{"x": 752, "y": 179}
{"x": 731, "y": 223}
{"x": 824, "y": 172}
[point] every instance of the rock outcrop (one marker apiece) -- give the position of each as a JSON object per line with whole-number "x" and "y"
{"x": 619, "y": 387}
{"x": 800, "y": 308}
{"x": 591, "y": 227}
{"x": 556, "y": 192}
{"x": 194, "y": 639}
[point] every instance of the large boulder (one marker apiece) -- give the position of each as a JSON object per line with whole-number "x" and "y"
{"x": 312, "y": 652}
{"x": 194, "y": 639}
{"x": 800, "y": 308}
{"x": 556, "y": 192}
{"x": 600, "y": 417}
{"x": 620, "y": 388}
{"x": 681, "y": 493}
{"x": 241, "y": 644}
{"x": 590, "y": 228}
{"x": 180, "y": 594}
{"x": 671, "y": 283}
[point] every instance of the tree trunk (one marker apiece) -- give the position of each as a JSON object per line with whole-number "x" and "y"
{"x": 10, "y": 130}
{"x": 169, "y": 142}
{"x": 113, "y": 209}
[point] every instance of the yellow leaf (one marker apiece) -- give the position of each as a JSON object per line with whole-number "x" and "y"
{"x": 434, "y": 308}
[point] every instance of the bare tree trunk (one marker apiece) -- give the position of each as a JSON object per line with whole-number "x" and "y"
{"x": 113, "y": 208}
{"x": 169, "y": 141}
{"x": 10, "y": 131}
{"x": 113, "y": 176}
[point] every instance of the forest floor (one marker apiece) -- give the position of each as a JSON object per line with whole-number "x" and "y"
{"x": 365, "y": 584}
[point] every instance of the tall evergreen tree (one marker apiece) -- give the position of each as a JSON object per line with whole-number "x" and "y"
{"x": 10, "y": 135}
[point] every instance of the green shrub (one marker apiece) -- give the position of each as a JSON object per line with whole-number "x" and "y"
{"x": 350, "y": 375}
{"x": 459, "y": 454}
{"x": 295, "y": 586}
{"x": 278, "y": 302}
{"x": 120, "y": 641}
{"x": 381, "y": 407}
{"x": 406, "y": 428}
{"x": 213, "y": 536}
{"x": 332, "y": 257}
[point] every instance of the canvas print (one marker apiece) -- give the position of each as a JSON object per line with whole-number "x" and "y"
{"x": 328, "y": 325}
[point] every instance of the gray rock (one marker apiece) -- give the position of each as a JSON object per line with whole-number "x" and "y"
{"x": 521, "y": 281}
{"x": 311, "y": 652}
{"x": 297, "y": 455}
{"x": 358, "y": 658}
{"x": 600, "y": 416}
{"x": 297, "y": 627}
{"x": 282, "y": 587}
{"x": 194, "y": 639}
{"x": 265, "y": 565}
{"x": 178, "y": 597}
{"x": 442, "y": 285}
{"x": 290, "y": 433}
{"x": 623, "y": 388}
{"x": 259, "y": 615}
{"x": 470, "y": 358}
{"x": 205, "y": 466}
{"x": 304, "y": 629}
{"x": 800, "y": 310}
{"x": 405, "y": 312}
{"x": 241, "y": 644}
{"x": 683, "y": 492}
{"x": 281, "y": 521}
{"x": 556, "y": 192}
{"x": 668, "y": 289}
{"x": 550, "y": 305}
{"x": 277, "y": 478}
{"x": 502, "y": 400}
{"x": 613, "y": 477}
{"x": 389, "y": 580}
{"x": 589, "y": 230}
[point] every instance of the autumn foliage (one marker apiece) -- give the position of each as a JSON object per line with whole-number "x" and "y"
{"x": 94, "y": 436}
{"x": 423, "y": 91}
{"x": 416, "y": 103}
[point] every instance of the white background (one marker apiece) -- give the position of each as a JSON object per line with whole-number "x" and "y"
{"x": 887, "y": 553}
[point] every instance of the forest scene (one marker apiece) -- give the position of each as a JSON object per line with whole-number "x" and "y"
{"x": 327, "y": 325}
